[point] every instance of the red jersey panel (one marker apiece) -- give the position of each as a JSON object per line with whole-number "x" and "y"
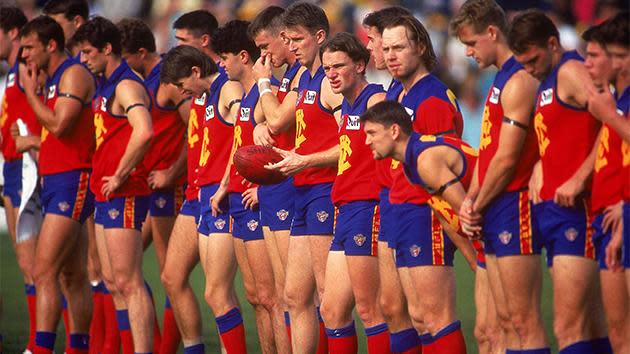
{"x": 243, "y": 135}
{"x": 168, "y": 130}
{"x": 491, "y": 132}
{"x": 434, "y": 111}
{"x": 623, "y": 107}
{"x": 565, "y": 134}
{"x": 286, "y": 139}
{"x": 217, "y": 136}
{"x": 15, "y": 106}
{"x": 193, "y": 150}
{"x": 315, "y": 129}
{"x": 356, "y": 170}
{"x": 112, "y": 136}
{"x": 73, "y": 150}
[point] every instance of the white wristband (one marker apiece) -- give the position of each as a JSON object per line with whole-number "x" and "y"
{"x": 264, "y": 91}
{"x": 264, "y": 79}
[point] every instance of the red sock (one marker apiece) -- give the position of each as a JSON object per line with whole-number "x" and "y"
{"x": 31, "y": 302}
{"x": 378, "y": 339}
{"x": 157, "y": 336}
{"x": 66, "y": 321}
{"x": 234, "y": 340}
{"x": 342, "y": 340}
{"x": 42, "y": 350}
{"x": 97, "y": 325}
{"x": 111, "y": 339}
{"x": 416, "y": 350}
{"x": 449, "y": 340}
{"x": 287, "y": 325}
{"x": 322, "y": 344}
{"x": 170, "y": 333}
{"x": 126, "y": 339}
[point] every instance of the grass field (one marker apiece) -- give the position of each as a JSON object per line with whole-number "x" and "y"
{"x": 14, "y": 320}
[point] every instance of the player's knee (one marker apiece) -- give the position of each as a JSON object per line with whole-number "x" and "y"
{"x": 267, "y": 298}
{"x": 296, "y": 299}
{"x": 568, "y": 326}
{"x": 171, "y": 283}
{"x": 391, "y": 306}
{"x": 481, "y": 331}
{"x": 618, "y": 331}
{"x": 217, "y": 298}
{"x": 127, "y": 285}
{"x": 43, "y": 274}
{"x": 26, "y": 265}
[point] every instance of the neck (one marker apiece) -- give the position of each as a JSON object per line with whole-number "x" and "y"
{"x": 414, "y": 78}
{"x": 556, "y": 56}
{"x": 247, "y": 80}
{"x": 112, "y": 63}
{"x": 355, "y": 90}
{"x": 401, "y": 148}
{"x": 56, "y": 59}
{"x": 210, "y": 79}
{"x": 15, "y": 48}
{"x": 149, "y": 63}
{"x": 314, "y": 65}
{"x": 503, "y": 54}
{"x": 623, "y": 81}
{"x": 211, "y": 54}
{"x": 290, "y": 59}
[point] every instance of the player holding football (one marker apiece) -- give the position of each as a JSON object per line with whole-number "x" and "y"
{"x": 123, "y": 135}
{"x": 498, "y": 200}
{"x": 561, "y": 211}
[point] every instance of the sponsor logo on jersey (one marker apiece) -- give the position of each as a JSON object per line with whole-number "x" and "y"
{"x": 494, "y": 96}
{"x": 415, "y": 251}
{"x": 546, "y": 97}
{"x": 104, "y": 104}
{"x": 359, "y": 239}
{"x": 252, "y": 225}
{"x": 160, "y": 202}
{"x": 63, "y": 206}
{"x": 282, "y": 214}
{"x": 354, "y": 123}
{"x": 210, "y": 112}
{"x": 113, "y": 213}
{"x": 52, "y": 90}
{"x": 322, "y": 215}
{"x": 505, "y": 237}
{"x": 310, "y": 97}
{"x": 284, "y": 86}
{"x": 411, "y": 113}
{"x": 201, "y": 99}
{"x": 219, "y": 224}
{"x": 11, "y": 80}
{"x": 571, "y": 234}
{"x": 245, "y": 114}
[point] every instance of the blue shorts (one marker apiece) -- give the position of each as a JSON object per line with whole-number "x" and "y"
{"x": 314, "y": 210}
{"x": 276, "y": 205}
{"x": 68, "y": 194}
{"x": 356, "y": 229}
{"x": 420, "y": 240}
{"x": 12, "y": 172}
{"x": 122, "y": 212}
{"x": 208, "y": 224}
{"x": 626, "y": 235}
{"x": 387, "y": 211}
{"x": 190, "y": 208}
{"x": 564, "y": 231}
{"x": 600, "y": 240}
{"x": 167, "y": 201}
{"x": 507, "y": 226}
{"x": 245, "y": 222}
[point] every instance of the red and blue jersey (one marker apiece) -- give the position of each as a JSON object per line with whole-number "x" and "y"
{"x": 491, "y": 131}
{"x": 315, "y": 128}
{"x": 434, "y": 111}
{"x": 193, "y": 145}
{"x": 15, "y": 106}
{"x": 286, "y": 139}
{"x": 565, "y": 134}
{"x": 356, "y": 170}
{"x": 384, "y": 166}
{"x": 168, "y": 129}
{"x": 73, "y": 150}
{"x": 243, "y": 134}
{"x": 112, "y": 136}
{"x": 623, "y": 106}
{"x": 216, "y": 137}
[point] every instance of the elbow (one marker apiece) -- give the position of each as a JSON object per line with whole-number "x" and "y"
{"x": 274, "y": 128}
{"x": 146, "y": 136}
{"x": 58, "y": 130}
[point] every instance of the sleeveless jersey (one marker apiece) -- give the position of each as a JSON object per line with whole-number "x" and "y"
{"x": 383, "y": 167}
{"x": 315, "y": 128}
{"x": 286, "y": 139}
{"x": 434, "y": 111}
{"x": 216, "y": 137}
{"x": 112, "y": 136}
{"x": 15, "y": 106}
{"x": 565, "y": 134}
{"x": 73, "y": 150}
{"x": 356, "y": 170}
{"x": 623, "y": 106}
{"x": 168, "y": 130}
{"x": 193, "y": 144}
{"x": 491, "y": 131}
{"x": 243, "y": 135}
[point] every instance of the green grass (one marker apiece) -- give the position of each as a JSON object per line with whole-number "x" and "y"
{"x": 14, "y": 320}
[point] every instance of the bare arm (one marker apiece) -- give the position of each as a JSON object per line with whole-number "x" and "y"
{"x": 75, "y": 89}
{"x": 602, "y": 105}
{"x": 518, "y": 101}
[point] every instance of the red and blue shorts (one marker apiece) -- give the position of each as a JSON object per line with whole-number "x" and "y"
{"x": 245, "y": 222}
{"x": 356, "y": 228}
{"x": 68, "y": 194}
{"x": 122, "y": 212}
{"x": 314, "y": 210}
{"x": 12, "y": 173}
{"x": 276, "y": 205}
{"x": 208, "y": 224}
{"x": 166, "y": 202}
{"x": 190, "y": 208}
{"x": 386, "y": 228}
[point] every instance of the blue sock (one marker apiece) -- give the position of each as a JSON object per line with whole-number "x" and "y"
{"x": 230, "y": 320}
{"x": 582, "y": 347}
{"x": 105, "y": 290}
{"x": 29, "y": 289}
{"x": 347, "y": 331}
{"x": 45, "y": 339}
{"x": 528, "y": 351}
{"x": 426, "y": 339}
{"x": 79, "y": 341}
{"x": 195, "y": 349}
{"x": 287, "y": 319}
{"x": 601, "y": 345}
{"x": 403, "y": 340}
{"x": 448, "y": 330}
{"x": 122, "y": 317}
{"x": 167, "y": 303}
{"x": 374, "y": 330}
{"x": 319, "y": 315}
{"x": 64, "y": 302}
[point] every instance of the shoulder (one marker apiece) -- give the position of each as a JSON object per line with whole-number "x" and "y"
{"x": 375, "y": 98}
{"x": 572, "y": 70}
{"x": 230, "y": 89}
{"x": 519, "y": 85}
{"x": 76, "y": 72}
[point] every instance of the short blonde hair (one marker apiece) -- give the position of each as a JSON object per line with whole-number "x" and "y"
{"x": 479, "y": 14}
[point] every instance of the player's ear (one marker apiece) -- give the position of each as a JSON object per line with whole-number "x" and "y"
{"x": 552, "y": 43}
{"x": 493, "y": 32}
{"x": 107, "y": 50}
{"x": 320, "y": 36}
{"x": 14, "y": 34}
{"x": 205, "y": 40}
{"x": 195, "y": 71}
{"x": 243, "y": 55}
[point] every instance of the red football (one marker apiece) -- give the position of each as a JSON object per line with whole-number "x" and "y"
{"x": 250, "y": 162}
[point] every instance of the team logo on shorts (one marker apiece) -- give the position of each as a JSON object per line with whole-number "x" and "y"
{"x": 63, "y": 206}
{"x": 282, "y": 214}
{"x": 571, "y": 234}
{"x": 322, "y": 216}
{"x": 160, "y": 202}
{"x": 359, "y": 239}
{"x": 113, "y": 213}
{"x": 415, "y": 251}
{"x": 219, "y": 224}
{"x": 252, "y": 225}
{"x": 505, "y": 237}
